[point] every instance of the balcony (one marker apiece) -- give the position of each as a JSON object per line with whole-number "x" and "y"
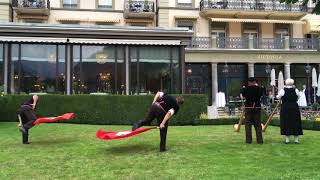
{"x": 286, "y": 43}
{"x": 31, "y": 7}
{"x": 266, "y": 9}
{"x": 139, "y": 9}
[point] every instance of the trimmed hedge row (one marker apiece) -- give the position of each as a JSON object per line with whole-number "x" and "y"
{"x": 93, "y": 109}
{"x": 306, "y": 124}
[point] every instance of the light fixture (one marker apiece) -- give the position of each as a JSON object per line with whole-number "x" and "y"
{"x": 189, "y": 71}
{"x": 101, "y": 58}
{"x": 225, "y": 69}
{"x": 268, "y": 68}
{"x": 51, "y": 58}
{"x": 307, "y": 68}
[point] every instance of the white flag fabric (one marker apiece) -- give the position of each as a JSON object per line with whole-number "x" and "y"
{"x": 273, "y": 77}
{"x": 314, "y": 78}
{"x": 280, "y": 81}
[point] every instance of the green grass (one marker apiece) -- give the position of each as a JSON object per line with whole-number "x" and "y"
{"x": 69, "y": 151}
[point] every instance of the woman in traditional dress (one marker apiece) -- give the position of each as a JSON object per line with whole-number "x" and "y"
{"x": 290, "y": 118}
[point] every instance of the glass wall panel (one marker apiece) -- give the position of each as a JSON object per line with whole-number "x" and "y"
{"x": 231, "y": 79}
{"x": 176, "y": 71}
{"x": 133, "y": 70}
{"x": 38, "y": 68}
{"x": 298, "y": 73}
{"x": 262, "y": 74}
{"x": 61, "y": 77}
{"x": 198, "y": 79}
{"x": 121, "y": 71}
{"x": 76, "y": 80}
{"x": 98, "y": 69}
{"x": 154, "y": 70}
{"x": 14, "y": 69}
{"x": 1, "y": 68}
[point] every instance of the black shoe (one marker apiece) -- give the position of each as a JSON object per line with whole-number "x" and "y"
{"x": 287, "y": 142}
{"x": 163, "y": 150}
{"x": 135, "y": 126}
{"x": 22, "y": 129}
{"x": 296, "y": 142}
{"x": 26, "y": 143}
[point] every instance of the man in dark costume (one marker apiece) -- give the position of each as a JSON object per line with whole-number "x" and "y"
{"x": 290, "y": 118}
{"x": 27, "y": 116}
{"x": 252, "y": 94}
{"x": 163, "y": 108}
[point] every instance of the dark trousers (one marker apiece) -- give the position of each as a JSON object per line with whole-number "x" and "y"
{"x": 252, "y": 117}
{"x": 156, "y": 112}
{"x": 28, "y": 117}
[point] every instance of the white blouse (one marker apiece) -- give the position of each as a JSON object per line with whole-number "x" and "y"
{"x": 282, "y": 92}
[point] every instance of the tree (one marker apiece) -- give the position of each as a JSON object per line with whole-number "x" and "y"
{"x": 316, "y": 10}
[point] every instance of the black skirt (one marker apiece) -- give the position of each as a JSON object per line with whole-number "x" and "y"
{"x": 290, "y": 119}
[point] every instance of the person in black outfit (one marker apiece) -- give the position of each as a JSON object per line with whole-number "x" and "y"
{"x": 252, "y": 94}
{"x": 163, "y": 108}
{"x": 28, "y": 116}
{"x": 290, "y": 118}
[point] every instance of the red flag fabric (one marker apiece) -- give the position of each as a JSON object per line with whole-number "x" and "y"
{"x": 66, "y": 116}
{"x": 104, "y": 135}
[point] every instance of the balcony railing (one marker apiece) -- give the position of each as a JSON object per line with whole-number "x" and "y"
{"x": 255, "y": 43}
{"x": 139, "y": 6}
{"x": 258, "y": 5}
{"x": 32, "y": 4}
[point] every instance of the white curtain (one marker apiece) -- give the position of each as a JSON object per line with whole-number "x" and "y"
{"x": 105, "y": 2}
{"x": 70, "y": 1}
{"x": 184, "y": 1}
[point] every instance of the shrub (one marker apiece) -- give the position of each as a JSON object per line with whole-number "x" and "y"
{"x": 90, "y": 109}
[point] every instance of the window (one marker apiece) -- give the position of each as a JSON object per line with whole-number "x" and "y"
{"x": 218, "y": 31}
{"x": 231, "y": 78}
{"x": 186, "y": 24}
{"x": 184, "y": 3}
{"x": 37, "y": 68}
{"x": 107, "y": 4}
{"x": 70, "y": 3}
{"x": 197, "y": 78}
{"x": 153, "y": 69}
{"x": 98, "y": 69}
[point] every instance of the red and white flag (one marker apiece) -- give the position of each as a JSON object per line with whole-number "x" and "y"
{"x": 105, "y": 135}
{"x": 66, "y": 116}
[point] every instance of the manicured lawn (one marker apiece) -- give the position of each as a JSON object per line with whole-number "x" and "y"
{"x": 67, "y": 151}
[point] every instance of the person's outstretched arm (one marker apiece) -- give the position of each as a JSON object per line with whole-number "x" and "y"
{"x": 157, "y": 96}
{"x": 35, "y": 100}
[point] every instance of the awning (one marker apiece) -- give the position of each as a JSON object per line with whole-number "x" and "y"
{"x": 72, "y": 19}
{"x": 32, "y": 39}
{"x": 257, "y": 21}
{"x": 186, "y": 17}
{"x": 32, "y": 17}
{"x": 139, "y": 20}
{"x": 314, "y": 26}
{"x": 124, "y": 41}
{"x": 88, "y": 41}
{"x": 104, "y": 20}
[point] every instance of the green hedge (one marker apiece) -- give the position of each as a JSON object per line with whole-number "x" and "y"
{"x": 91, "y": 109}
{"x": 306, "y": 124}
